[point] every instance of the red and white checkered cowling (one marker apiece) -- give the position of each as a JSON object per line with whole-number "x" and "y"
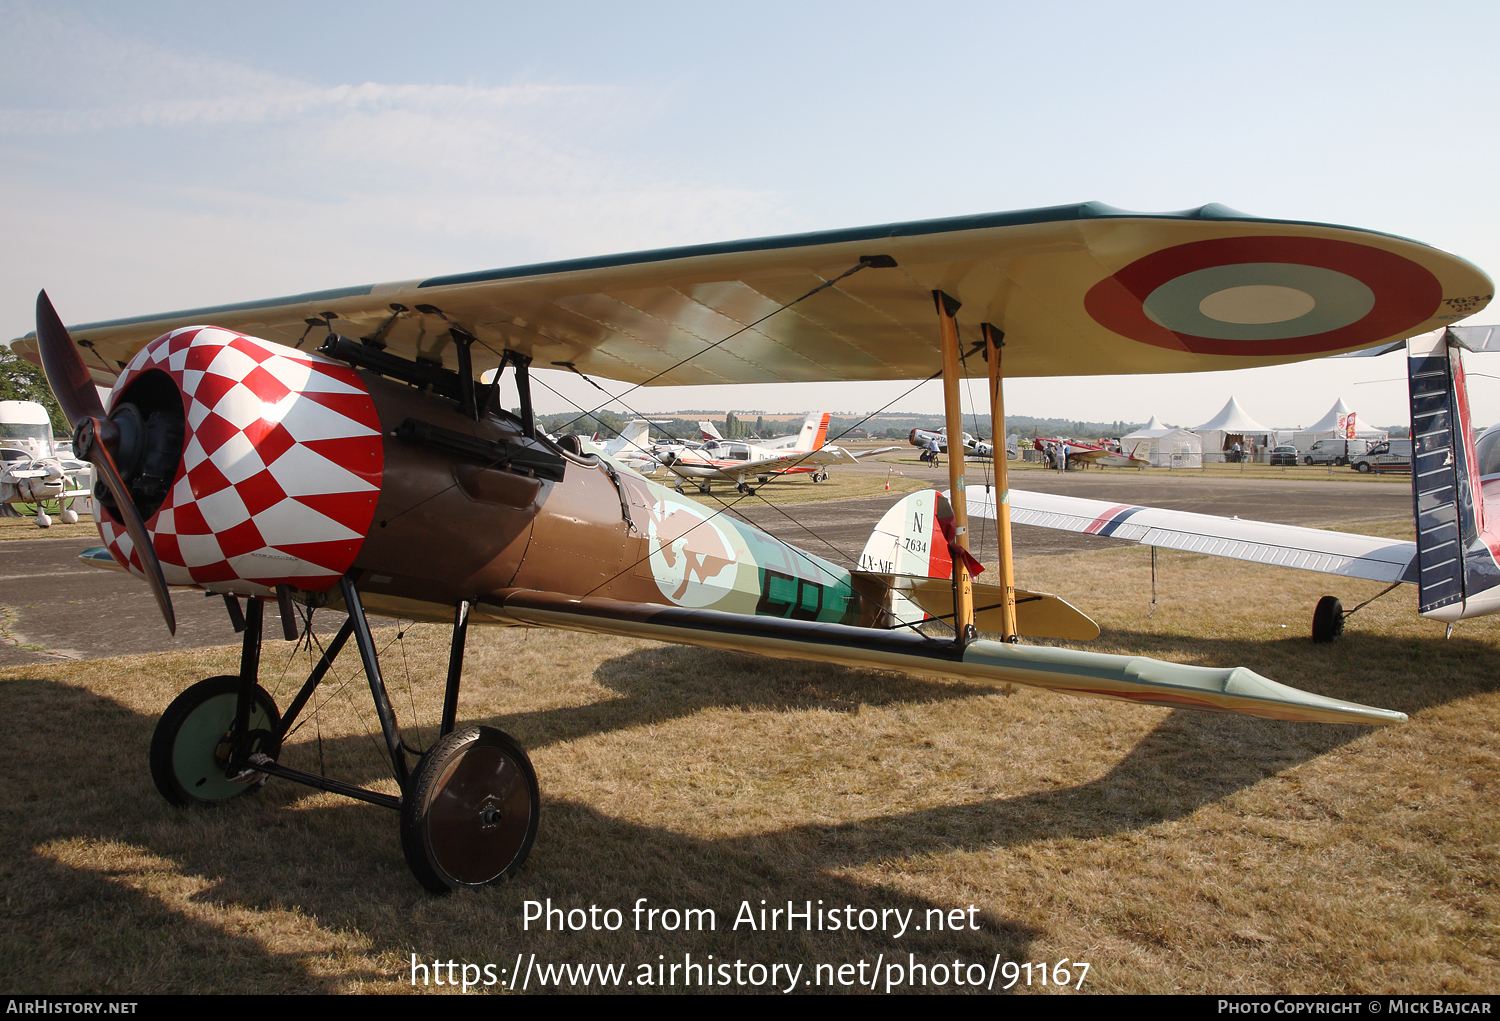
{"x": 280, "y": 471}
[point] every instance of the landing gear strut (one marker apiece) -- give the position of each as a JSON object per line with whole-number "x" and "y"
{"x": 469, "y": 808}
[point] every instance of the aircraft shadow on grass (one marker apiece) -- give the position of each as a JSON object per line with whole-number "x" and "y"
{"x": 586, "y": 855}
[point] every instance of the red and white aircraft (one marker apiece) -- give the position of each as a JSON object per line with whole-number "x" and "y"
{"x": 1455, "y": 560}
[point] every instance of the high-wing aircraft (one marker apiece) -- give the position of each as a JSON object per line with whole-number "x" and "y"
{"x": 34, "y": 473}
{"x": 334, "y": 451}
{"x": 1455, "y": 560}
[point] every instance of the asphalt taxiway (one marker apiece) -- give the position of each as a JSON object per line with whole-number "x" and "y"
{"x": 54, "y": 607}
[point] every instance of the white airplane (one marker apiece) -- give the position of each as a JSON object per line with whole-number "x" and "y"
{"x": 923, "y": 438}
{"x": 1455, "y": 560}
{"x": 632, "y": 447}
{"x": 738, "y": 461}
{"x": 31, "y": 471}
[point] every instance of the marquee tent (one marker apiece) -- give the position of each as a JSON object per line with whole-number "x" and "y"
{"x": 1164, "y": 445}
{"x": 1230, "y": 426}
{"x": 1327, "y": 428}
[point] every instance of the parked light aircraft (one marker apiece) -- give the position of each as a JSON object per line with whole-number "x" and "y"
{"x": 1104, "y": 457}
{"x": 379, "y": 474}
{"x": 923, "y": 438}
{"x": 739, "y": 461}
{"x": 33, "y": 471}
{"x": 1455, "y": 493}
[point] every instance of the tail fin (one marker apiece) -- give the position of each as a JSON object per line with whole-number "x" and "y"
{"x": 909, "y": 555}
{"x": 637, "y": 435}
{"x": 709, "y": 431}
{"x": 1455, "y": 563}
{"x": 814, "y": 432}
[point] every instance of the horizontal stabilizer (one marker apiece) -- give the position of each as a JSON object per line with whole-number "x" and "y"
{"x": 1133, "y": 678}
{"x": 1038, "y": 614}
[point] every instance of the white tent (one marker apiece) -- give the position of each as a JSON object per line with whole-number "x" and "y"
{"x": 1164, "y": 446}
{"x": 1327, "y": 428}
{"x": 1230, "y": 426}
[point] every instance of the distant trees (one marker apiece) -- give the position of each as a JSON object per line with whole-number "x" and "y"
{"x": 22, "y": 381}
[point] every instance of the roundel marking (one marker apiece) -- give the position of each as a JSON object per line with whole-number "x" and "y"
{"x": 1265, "y": 296}
{"x": 690, "y": 555}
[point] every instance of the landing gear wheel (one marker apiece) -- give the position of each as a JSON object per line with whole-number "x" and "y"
{"x": 190, "y": 747}
{"x": 703, "y": 488}
{"x": 1328, "y": 619}
{"x": 469, "y": 811}
{"x": 744, "y": 488}
{"x": 820, "y": 476}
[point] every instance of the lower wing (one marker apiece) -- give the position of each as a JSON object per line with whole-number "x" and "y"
{"x": 1133, "y": 678}
{"x": 1261, "y": 542}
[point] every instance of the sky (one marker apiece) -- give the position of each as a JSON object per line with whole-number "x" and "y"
{"x": 164, "y": 155}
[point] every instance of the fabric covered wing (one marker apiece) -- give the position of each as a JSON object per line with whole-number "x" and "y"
{"x": 1081, "y": 289}
{"x": 1310, "y": 549}
{"x": 1133, "y": 678}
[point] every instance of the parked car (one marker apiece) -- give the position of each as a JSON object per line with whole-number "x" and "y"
{"x": 1328, "y": 452}
{"x": 1286, "y": 454}
{"x": 1390, "y": 456}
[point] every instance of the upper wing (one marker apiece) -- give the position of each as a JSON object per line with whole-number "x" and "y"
{"x": 1075, "y": 289}
{"x": 1311, "y": 549}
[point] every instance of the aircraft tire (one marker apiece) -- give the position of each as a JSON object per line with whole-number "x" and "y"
{"x": 1328, "y": 619}
{"x": 190, "y": 746}
{"x": 469, "y": 812}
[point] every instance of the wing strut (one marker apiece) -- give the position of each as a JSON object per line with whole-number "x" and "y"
{"x": 994, "y": 340}
{"x": 963, "y": 584}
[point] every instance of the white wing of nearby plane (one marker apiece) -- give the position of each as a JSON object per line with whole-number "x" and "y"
{"x": 1261, "y": 542}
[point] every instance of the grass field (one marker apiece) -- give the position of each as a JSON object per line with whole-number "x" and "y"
{"x": 1170, "y": 850}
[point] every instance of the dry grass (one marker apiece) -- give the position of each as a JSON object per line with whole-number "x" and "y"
{"x": 25, "y": 528}
{"x": 1173, "y": 851}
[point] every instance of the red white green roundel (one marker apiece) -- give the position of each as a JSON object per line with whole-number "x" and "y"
{"x": 1265, "y": 296}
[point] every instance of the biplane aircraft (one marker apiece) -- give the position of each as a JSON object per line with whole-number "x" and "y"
{"x": 1454, "y": 561}
{"x": 333, "y": 450}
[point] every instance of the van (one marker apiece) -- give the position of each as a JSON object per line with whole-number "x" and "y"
{"x": 1390, "y": 456}
{"x": 1327, "y": 452}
